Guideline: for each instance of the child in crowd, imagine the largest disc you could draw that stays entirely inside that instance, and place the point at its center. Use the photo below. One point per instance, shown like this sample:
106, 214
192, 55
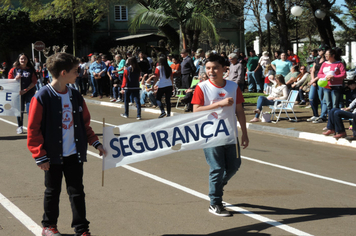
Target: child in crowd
224, 160
58, 133
269, 75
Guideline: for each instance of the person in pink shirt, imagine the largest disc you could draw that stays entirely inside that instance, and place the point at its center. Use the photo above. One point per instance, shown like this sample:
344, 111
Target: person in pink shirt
333, 70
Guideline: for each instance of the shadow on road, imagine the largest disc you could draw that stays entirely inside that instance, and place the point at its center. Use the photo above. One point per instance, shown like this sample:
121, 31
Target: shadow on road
15, 137
303, 215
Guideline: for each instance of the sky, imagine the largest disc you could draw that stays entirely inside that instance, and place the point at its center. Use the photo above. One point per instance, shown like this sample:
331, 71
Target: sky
249, 16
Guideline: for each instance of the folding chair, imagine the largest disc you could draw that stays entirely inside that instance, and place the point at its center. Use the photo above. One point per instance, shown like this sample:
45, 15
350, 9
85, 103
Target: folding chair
181, 94
285, 105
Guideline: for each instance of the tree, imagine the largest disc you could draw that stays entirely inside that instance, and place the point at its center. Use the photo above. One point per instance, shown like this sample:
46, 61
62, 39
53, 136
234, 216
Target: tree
17, 31
186, 13
75, 10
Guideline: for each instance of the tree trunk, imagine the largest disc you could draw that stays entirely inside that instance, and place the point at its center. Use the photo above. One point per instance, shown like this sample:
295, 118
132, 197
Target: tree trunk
74, 29
278, 7
324, 25
196, 39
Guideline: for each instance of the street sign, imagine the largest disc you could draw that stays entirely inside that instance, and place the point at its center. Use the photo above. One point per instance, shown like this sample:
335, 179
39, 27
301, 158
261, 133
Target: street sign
39, 46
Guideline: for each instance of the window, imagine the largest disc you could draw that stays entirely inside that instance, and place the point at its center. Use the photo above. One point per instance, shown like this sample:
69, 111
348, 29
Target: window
121, 13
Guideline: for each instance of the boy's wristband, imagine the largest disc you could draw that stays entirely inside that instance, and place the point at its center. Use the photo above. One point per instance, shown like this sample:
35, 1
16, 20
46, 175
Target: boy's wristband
96, 144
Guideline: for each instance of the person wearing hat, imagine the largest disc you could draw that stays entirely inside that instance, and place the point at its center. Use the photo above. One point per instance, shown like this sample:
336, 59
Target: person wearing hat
187, 69
316, 94
199, 60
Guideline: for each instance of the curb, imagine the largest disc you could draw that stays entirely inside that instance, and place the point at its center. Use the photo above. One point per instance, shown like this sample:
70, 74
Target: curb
267, 129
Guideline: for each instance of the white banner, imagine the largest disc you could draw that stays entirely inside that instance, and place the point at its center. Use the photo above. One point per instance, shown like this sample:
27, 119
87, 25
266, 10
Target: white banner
9, 97
149, 139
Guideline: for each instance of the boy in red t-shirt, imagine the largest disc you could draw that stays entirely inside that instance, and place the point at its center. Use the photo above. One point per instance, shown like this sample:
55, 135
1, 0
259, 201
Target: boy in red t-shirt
223, 160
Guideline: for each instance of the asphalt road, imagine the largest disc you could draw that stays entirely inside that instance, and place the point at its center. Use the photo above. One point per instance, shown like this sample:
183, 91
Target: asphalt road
299, 188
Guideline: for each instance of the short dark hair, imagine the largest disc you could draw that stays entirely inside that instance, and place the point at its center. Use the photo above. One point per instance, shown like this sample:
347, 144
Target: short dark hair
61, 61
216, 58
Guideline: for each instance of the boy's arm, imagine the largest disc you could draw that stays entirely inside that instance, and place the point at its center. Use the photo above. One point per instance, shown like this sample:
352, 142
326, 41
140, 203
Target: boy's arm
240, 113
35, 138
92, 138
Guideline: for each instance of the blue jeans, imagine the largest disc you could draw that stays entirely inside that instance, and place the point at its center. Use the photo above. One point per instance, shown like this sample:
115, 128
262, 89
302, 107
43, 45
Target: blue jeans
136, 95
263, 101
332, 97
150, 96
116, 92
97, 86
335, 121
224, 163
254, 80
316, 93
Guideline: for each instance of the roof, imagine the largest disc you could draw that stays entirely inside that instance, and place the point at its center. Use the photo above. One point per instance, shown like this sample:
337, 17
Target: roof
141, 37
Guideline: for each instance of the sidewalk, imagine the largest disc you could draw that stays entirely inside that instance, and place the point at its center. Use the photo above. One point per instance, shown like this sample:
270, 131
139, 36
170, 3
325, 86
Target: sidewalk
301, 129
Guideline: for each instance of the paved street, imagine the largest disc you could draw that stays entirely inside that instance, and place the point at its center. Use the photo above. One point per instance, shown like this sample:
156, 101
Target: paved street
286, 186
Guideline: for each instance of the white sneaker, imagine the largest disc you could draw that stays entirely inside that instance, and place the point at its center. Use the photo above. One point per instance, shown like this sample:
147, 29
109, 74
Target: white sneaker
19, 130
130, 104
219, 210
312, 118
113, 100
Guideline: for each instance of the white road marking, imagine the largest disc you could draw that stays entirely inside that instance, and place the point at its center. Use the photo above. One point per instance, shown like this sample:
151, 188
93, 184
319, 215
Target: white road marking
206, 197
36, 229
300, 171
20, 215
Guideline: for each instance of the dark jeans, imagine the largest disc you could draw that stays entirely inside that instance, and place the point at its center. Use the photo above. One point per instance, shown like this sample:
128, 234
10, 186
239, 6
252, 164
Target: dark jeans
186, 81
97, 86
136, 96
167, 91
82, 85
73, 173
335, 121
25, 102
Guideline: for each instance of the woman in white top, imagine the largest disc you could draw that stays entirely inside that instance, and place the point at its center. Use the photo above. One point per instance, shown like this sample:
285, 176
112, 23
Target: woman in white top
296, 85
279, 92
164, 77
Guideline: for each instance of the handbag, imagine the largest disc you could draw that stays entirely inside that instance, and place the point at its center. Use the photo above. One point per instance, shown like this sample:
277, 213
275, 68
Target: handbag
266, 117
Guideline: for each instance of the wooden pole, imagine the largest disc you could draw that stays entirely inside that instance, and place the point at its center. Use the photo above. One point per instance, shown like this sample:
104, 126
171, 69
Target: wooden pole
102, 174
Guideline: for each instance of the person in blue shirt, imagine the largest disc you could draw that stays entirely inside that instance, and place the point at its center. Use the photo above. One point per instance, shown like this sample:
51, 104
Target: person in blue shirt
97, 71
282, 66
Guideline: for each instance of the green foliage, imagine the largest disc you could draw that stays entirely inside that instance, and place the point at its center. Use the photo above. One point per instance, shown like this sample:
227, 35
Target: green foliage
186, 13
305, 52
17, 30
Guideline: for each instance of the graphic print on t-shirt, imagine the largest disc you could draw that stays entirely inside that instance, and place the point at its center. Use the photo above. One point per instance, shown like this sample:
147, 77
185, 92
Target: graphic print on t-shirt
67, 119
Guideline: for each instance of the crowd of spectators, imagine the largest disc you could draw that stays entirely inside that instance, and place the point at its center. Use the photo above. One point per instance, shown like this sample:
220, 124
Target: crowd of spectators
142, 80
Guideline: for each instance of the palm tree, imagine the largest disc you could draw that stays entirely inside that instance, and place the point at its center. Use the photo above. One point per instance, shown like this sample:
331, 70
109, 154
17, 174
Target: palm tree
186, 13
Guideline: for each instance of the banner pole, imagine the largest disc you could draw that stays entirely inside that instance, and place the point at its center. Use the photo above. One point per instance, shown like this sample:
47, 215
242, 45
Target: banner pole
102, 174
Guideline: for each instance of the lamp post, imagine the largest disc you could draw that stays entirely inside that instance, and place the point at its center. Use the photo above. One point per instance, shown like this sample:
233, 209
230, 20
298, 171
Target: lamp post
268, 17
296, 11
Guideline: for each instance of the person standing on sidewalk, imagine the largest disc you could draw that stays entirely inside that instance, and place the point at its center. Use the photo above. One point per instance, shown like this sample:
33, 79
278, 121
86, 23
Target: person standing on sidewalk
224, 161
24, 72
187, 69
58, 134
254, 73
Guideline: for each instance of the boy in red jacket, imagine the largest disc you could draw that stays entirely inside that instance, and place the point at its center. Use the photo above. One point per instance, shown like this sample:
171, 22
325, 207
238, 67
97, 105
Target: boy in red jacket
58, 133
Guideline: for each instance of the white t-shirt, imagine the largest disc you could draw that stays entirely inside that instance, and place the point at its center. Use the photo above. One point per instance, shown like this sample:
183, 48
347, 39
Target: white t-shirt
68, 142
163, 80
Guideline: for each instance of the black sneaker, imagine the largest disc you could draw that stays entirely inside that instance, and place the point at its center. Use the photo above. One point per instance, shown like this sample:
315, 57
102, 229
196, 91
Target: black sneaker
162, 115
219, 210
